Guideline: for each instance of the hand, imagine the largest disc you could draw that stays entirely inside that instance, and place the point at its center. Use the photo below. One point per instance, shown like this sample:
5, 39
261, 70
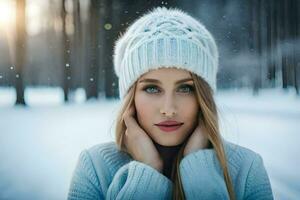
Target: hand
198, 140
139, 145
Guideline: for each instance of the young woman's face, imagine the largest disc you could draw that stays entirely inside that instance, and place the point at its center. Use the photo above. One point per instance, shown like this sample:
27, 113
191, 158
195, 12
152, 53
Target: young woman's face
166, 94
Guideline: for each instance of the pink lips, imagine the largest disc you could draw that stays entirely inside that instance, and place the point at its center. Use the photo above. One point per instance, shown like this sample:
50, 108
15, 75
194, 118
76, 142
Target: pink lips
169, 126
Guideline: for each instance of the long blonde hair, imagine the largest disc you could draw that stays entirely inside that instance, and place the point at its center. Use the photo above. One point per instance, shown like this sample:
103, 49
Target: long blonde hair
209, 118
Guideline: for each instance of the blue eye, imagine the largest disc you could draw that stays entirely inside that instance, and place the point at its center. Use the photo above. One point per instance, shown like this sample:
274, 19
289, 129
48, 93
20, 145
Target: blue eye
150, 88
185, 88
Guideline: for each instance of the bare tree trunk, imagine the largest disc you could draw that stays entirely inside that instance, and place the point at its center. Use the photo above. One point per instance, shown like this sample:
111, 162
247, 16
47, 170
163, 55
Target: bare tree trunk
93, 66
288, 45
102, 47
111, 27
20, 50
281, 21
66, 54
256, 31
294, 29
78, 45
116, 17
271, 34
278, 58
297, 54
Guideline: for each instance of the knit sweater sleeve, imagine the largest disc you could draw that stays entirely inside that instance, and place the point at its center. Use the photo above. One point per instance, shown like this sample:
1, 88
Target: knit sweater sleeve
258, 186
84, 183
136, 180
201, 177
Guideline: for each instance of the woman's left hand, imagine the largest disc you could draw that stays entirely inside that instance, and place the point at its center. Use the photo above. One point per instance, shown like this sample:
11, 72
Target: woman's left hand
198, 140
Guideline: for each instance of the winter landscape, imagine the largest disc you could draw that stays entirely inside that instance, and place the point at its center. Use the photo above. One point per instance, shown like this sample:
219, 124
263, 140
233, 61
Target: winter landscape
56, 57
40, 143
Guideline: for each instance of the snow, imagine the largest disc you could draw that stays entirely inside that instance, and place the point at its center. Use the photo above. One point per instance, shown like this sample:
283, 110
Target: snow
40, 143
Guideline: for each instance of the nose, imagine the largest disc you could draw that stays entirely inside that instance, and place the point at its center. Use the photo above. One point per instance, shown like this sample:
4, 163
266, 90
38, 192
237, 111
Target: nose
168, 106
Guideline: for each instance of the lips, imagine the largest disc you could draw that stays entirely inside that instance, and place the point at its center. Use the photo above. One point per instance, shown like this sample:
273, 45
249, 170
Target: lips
169, 126
169, 123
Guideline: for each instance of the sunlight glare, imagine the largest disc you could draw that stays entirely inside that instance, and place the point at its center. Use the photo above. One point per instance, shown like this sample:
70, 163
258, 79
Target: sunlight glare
6, 13
33, 18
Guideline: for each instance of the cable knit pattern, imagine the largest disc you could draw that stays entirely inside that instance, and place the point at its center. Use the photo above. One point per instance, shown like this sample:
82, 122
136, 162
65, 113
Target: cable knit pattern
104, 172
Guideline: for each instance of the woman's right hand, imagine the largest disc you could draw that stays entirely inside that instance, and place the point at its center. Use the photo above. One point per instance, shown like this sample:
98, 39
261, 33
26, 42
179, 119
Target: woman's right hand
139, 145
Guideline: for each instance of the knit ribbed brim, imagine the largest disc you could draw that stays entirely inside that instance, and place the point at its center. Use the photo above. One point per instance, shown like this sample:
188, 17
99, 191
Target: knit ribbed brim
165, 38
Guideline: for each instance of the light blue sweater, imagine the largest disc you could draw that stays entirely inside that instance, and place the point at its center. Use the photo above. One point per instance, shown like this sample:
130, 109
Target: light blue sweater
104, 172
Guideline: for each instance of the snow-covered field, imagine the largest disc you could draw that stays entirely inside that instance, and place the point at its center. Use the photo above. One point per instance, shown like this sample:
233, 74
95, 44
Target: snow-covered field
40, 144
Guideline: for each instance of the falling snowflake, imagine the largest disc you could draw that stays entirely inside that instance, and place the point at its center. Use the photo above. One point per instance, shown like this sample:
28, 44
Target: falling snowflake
107, 26
91, 79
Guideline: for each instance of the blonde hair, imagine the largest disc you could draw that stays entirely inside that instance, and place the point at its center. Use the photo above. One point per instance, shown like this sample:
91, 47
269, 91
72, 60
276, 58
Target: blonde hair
209, 118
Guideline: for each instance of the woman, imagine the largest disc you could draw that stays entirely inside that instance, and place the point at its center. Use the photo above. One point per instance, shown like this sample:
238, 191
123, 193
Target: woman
168, 143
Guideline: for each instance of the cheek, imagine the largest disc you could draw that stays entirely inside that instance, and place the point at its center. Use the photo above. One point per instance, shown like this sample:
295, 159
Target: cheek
189, 111
144, 109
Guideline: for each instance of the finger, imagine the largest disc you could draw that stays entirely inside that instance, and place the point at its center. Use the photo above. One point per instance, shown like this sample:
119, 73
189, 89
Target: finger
126, 113
129, 119
196, 130
130, 111
125, 138
202, 136
125, 142
200, 130
200, 125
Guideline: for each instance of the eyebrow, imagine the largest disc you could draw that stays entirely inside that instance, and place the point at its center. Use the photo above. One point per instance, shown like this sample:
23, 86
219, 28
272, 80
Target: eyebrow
150, 80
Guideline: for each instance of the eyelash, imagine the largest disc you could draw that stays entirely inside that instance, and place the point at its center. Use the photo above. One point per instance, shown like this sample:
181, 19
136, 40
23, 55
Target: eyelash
191, 88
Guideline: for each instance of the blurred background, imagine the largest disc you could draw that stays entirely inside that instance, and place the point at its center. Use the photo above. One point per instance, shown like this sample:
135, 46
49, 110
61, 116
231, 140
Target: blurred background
59, 93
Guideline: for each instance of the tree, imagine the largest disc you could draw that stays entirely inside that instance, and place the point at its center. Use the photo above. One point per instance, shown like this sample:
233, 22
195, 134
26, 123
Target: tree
93, 49
257, 11
77, 47
20, 50
66, 53
110, 27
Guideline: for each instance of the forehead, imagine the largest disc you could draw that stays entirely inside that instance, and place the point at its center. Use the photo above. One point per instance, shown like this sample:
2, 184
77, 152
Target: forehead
170, 72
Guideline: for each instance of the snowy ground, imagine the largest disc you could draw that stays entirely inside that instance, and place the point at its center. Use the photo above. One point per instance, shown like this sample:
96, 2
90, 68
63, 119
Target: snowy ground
40, 144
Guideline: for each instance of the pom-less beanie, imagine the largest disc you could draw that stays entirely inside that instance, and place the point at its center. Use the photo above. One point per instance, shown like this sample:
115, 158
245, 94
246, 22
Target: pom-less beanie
165, 38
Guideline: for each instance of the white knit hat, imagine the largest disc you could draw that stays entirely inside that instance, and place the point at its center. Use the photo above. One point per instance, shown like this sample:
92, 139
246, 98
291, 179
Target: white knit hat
165, 38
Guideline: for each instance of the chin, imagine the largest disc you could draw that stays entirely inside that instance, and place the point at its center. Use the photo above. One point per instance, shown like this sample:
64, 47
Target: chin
168, 143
